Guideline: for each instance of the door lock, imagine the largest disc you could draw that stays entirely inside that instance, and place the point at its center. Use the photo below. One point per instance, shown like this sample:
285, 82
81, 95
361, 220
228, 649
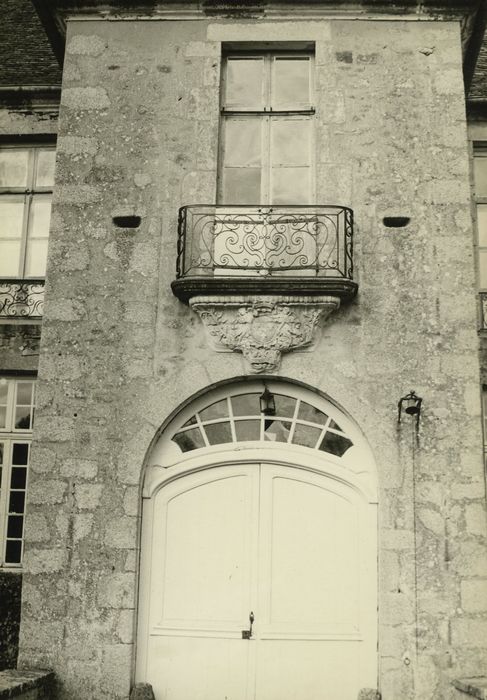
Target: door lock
246, 634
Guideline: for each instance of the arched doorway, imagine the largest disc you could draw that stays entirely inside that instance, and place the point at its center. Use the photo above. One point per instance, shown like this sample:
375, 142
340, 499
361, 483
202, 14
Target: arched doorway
259, 553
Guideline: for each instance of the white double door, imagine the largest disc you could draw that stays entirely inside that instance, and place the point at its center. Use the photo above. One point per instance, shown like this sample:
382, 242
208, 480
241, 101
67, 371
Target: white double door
290, 546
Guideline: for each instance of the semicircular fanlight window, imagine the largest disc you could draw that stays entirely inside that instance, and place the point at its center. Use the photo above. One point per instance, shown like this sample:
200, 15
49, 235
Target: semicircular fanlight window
238, 419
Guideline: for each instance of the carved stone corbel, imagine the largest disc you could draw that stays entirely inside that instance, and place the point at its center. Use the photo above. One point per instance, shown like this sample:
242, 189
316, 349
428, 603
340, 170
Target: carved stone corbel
262, 327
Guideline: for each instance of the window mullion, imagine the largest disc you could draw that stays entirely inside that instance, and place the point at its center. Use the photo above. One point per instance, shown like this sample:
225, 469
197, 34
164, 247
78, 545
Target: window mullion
25, 234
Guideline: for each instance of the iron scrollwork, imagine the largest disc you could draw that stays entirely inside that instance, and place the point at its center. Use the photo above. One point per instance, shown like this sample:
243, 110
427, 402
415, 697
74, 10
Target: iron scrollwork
21, 298
237, 240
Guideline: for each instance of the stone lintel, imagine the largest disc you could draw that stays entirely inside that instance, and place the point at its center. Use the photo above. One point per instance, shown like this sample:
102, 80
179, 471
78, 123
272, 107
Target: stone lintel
262, 327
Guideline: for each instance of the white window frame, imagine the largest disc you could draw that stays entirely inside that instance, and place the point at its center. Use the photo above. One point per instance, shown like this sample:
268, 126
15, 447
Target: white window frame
10, 436
27, 194
266, 114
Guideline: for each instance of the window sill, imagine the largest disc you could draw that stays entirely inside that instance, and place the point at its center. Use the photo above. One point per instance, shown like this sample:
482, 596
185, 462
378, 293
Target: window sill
475, 687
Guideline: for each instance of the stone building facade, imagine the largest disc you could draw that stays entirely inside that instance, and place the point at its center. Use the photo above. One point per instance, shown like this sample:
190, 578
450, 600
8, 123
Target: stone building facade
139, 384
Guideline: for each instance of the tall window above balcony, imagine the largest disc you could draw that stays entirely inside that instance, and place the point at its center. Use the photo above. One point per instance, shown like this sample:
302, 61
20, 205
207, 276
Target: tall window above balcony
267, 111
26, 182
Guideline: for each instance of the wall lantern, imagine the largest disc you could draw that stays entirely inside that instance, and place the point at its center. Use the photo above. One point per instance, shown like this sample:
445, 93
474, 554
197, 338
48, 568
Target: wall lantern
267, 403
411, 404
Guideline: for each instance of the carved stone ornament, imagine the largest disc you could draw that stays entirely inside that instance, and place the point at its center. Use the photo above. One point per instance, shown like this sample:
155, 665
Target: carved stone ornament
262, 327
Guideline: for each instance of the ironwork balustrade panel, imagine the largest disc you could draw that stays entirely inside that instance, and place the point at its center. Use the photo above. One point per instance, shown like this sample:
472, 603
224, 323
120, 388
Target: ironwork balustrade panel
21, 298
292, 240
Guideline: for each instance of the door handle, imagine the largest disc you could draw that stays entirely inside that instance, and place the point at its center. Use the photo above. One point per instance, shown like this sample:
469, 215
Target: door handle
246, 634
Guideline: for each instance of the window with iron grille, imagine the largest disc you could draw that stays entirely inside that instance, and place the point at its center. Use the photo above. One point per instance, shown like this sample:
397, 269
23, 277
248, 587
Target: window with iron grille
26, 182
266, 145
17, 400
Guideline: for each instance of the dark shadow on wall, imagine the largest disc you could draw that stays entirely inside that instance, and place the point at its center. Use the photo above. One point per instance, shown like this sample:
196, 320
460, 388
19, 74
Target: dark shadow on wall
10, 598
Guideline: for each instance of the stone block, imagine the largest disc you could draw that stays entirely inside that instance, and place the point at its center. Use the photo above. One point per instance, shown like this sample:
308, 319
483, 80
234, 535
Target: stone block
79, 468
44, 561
36, 528
116, 590
88, 495
469, 632
476, 519
47, 491
85, 98
474, 595
121, 533
82, 45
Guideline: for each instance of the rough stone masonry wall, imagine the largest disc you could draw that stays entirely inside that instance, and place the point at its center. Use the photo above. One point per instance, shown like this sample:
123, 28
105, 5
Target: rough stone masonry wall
138, 134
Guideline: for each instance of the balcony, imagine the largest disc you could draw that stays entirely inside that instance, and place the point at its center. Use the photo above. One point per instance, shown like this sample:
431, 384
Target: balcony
270, 250
21, 298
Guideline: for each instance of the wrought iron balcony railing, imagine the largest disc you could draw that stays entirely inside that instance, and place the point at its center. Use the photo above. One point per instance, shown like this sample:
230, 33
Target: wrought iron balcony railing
21, 298
264, 249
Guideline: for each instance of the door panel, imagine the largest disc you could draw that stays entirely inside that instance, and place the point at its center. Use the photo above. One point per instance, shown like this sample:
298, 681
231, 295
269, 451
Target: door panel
205, 528
292, 546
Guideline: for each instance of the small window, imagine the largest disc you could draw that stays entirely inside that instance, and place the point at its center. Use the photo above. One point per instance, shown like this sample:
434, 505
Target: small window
26, 182
17, 401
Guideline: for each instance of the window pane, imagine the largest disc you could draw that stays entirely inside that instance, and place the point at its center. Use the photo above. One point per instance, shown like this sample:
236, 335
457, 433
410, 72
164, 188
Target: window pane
285, 405
20, 453
1, 457
40, 215
36, 258
241, 186
247, 430
9, 258
306, 435
3, 416
22, 417
216, 410
312, 414
482, 224
17, 502
276, 430
291, 83
244, 82
189, 440
18, 478
15, 526
483, 268
243, 142
11, 217
218, 433
3, 392
335, 444
13, 552
45, 168
290, 186
246, 405
24, 393
14, 167
480, 172
290, 142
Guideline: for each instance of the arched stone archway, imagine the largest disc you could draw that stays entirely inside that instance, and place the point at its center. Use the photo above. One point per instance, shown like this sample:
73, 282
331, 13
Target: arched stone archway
259, 553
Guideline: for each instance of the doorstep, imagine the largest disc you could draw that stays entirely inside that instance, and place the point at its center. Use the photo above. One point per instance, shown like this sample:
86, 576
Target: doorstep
31, 685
